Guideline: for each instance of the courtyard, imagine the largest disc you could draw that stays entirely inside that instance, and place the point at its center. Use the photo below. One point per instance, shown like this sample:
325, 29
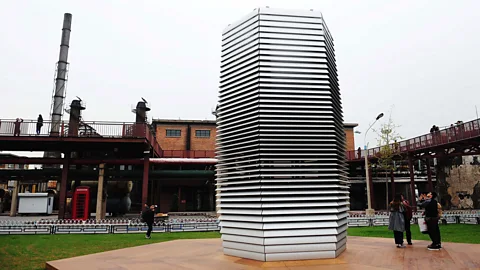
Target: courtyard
33, 251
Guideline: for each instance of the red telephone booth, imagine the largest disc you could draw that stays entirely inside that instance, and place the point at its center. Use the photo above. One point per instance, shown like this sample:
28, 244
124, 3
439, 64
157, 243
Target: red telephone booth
80, 203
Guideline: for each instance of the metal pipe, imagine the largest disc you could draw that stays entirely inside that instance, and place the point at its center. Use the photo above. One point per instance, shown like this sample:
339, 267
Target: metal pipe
370, 210
72, 161
138, 161
146, 167
61, 76
212, 161
99, 213
92, 175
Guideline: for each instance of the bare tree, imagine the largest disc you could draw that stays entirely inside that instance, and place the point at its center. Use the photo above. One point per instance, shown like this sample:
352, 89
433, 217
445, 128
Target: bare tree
388, 138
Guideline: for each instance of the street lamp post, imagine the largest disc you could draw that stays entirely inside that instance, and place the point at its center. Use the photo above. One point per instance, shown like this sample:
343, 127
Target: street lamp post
369, 211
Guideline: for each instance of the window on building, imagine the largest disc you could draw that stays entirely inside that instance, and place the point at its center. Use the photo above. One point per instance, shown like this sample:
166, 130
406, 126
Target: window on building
202, 133
11, 166
174, 133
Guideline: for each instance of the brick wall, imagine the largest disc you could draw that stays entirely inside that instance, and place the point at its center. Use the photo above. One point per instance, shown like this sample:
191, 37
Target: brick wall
350, 139
180, 143
199, 143
203, 143
171, 143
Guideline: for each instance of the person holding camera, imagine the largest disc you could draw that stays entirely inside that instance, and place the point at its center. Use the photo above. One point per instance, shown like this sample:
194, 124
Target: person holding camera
148, 216
432, 217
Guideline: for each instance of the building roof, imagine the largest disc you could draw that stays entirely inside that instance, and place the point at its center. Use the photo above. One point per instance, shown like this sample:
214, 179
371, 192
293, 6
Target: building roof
179, 121
350, 125
213, 122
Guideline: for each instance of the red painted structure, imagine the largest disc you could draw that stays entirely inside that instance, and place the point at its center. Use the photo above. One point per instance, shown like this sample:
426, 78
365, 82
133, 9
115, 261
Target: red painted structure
136, 145
80, 200
96, 135
444, 138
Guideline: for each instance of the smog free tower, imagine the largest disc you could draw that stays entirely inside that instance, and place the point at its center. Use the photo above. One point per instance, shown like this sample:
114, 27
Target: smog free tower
281, 182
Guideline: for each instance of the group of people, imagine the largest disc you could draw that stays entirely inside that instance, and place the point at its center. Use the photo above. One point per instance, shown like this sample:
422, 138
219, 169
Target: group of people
401, 216
18, 122
434, 128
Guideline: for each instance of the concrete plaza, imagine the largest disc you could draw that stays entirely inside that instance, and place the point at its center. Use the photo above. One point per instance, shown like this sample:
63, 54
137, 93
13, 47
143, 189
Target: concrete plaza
361, 253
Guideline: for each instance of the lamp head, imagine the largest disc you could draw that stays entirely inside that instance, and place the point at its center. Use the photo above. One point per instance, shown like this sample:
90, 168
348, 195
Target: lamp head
379, 116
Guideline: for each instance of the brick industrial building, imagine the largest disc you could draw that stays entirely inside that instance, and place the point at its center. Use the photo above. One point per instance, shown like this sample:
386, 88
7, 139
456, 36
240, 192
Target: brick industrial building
186, 134
200, 134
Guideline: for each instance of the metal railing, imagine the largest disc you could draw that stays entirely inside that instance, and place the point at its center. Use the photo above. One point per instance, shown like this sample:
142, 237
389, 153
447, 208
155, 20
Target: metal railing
188, 154
83, 129
382, 218
102, 227
445, 136
91, 129
107, 226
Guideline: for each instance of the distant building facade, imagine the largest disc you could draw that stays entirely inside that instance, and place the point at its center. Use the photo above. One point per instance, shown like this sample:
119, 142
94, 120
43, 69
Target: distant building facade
185, 134
201, 134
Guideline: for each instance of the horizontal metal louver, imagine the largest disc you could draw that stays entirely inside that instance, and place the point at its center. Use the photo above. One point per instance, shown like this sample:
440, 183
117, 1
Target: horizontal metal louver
282, 190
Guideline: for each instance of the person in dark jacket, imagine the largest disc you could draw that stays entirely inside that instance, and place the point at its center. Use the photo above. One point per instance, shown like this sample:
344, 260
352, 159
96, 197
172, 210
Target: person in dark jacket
39, 124
408, 218
431, 218
148, 217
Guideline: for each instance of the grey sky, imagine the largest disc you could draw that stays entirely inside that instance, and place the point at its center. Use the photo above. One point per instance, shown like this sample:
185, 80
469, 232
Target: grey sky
421, 56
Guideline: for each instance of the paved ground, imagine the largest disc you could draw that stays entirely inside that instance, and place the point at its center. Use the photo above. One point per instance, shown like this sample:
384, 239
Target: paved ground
361, 253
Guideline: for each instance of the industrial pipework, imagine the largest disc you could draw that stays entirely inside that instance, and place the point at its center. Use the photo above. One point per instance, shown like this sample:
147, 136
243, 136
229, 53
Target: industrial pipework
61, 76
75, 111
141, 111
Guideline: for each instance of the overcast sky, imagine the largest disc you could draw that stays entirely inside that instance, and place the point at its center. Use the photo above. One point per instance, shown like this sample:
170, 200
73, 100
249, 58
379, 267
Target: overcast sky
419, 56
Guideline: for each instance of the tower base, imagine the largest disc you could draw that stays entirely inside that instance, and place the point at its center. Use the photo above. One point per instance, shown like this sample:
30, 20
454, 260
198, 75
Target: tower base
287, 248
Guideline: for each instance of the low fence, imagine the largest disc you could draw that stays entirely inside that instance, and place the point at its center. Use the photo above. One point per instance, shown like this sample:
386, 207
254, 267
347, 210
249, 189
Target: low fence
115, 226
105, 228
448, 217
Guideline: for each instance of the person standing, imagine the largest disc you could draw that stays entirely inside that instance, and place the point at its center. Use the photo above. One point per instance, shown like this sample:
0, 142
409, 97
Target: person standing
148, 217
16, 130
408, 219
39, 124
397, 220
431, 218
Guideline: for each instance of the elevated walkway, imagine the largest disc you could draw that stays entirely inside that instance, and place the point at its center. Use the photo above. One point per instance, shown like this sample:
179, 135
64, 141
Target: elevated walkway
464, 138
90, 136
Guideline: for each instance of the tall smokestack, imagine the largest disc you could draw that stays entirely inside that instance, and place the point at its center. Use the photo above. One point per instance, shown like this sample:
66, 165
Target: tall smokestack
61, 76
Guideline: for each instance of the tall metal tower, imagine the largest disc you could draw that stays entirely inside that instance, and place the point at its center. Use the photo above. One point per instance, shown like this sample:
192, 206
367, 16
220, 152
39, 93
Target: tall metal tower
281, 179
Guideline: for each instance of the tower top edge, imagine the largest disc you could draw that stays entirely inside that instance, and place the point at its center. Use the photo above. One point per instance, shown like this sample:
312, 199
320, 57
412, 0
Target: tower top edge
312, 13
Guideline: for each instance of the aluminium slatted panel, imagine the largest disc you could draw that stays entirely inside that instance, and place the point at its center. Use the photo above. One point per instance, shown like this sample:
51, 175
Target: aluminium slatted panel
281, 181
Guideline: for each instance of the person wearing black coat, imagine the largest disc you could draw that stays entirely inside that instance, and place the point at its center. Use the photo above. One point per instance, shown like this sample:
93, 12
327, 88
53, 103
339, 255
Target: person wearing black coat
148, 217
432, 218
39, 124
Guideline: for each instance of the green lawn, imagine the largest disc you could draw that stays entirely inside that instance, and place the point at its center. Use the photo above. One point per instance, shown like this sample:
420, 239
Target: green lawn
32, 251
457, 233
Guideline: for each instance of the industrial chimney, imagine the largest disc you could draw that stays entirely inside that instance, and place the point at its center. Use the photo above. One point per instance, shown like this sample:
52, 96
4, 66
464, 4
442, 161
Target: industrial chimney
61, 77
76, 108
141, 111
